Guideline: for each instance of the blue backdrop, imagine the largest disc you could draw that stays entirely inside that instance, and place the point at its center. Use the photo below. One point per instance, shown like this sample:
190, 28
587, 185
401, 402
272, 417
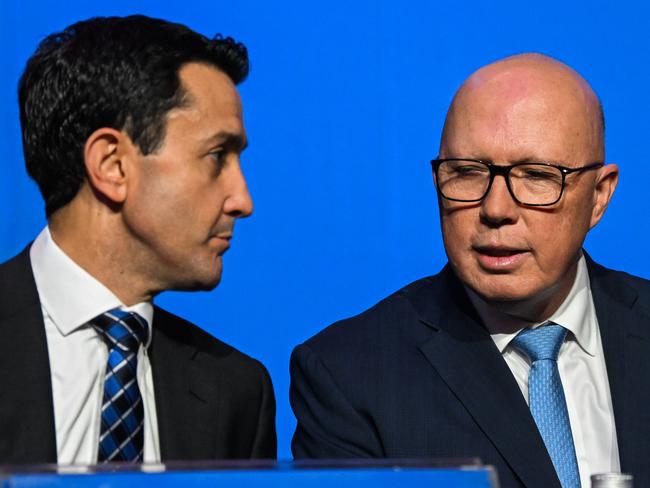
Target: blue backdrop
344, 108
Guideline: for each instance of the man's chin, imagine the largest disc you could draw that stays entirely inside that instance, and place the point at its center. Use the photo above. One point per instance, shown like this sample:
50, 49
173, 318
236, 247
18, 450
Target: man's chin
495, 288
204, 283
501, 297
501, 290
209, 284
531, 305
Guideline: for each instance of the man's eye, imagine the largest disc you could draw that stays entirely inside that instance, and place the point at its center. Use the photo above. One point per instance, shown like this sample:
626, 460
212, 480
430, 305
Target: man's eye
219, 158
218, 155
470, 170
540, 174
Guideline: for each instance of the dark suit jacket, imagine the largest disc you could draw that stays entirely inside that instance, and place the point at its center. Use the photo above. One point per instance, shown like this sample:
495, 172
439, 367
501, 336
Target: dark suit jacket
212, 402
418, 375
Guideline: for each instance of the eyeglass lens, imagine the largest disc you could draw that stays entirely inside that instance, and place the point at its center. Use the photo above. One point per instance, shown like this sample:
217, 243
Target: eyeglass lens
533, 184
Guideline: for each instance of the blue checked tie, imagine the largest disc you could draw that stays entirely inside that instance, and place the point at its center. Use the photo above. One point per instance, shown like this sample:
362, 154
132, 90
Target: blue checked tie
546, 398
121, 437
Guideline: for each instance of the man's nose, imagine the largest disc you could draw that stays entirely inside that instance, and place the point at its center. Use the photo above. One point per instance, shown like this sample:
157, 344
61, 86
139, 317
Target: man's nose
499, 206
239, 203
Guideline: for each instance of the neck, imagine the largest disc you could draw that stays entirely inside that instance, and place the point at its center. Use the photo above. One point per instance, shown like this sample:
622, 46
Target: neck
80, 231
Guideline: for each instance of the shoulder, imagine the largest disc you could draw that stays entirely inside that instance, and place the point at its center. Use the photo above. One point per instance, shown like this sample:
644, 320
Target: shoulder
17, 286
619, 285
386, 326
180, 334
186, 359
15, 266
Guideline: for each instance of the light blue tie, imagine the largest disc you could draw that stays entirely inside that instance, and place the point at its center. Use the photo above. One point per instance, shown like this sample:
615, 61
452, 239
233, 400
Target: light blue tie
546, 398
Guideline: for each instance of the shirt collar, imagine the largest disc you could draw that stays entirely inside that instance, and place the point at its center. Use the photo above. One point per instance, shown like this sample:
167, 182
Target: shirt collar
576, 314
68, 293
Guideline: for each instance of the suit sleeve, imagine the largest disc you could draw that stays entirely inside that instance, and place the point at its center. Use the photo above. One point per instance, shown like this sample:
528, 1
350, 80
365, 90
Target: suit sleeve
329, 426
265, 443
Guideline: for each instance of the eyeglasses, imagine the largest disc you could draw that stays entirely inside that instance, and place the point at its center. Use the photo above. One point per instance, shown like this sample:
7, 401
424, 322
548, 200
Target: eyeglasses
533, 184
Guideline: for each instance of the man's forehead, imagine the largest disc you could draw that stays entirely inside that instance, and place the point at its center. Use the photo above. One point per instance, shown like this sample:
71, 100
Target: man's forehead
526, 104
207, 87
208, 92
524, 77
211, 103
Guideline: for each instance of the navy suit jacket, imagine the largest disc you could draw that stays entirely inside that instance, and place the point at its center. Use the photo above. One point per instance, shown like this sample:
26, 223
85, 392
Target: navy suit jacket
212, 402
418, 375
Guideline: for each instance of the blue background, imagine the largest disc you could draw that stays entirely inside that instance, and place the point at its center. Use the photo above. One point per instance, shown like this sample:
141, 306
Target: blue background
344, 108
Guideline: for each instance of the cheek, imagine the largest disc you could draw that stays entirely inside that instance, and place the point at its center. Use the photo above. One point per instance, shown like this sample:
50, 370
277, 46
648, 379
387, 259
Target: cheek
160, 209
457, 230
557, 239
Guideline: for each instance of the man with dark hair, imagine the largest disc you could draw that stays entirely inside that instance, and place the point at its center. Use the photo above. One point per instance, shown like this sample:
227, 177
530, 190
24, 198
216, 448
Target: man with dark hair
132, 129
522, 351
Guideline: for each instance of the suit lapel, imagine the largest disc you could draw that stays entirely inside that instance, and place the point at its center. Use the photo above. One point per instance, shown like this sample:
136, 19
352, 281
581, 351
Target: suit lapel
624, 330
186, 400
466, 358
26, 407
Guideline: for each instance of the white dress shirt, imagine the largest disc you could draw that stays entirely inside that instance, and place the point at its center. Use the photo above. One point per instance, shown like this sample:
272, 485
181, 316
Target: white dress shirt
581, 363
70, 297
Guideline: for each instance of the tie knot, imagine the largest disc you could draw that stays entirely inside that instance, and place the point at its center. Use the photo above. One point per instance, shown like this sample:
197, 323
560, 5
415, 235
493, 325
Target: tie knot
541, 343
125, 330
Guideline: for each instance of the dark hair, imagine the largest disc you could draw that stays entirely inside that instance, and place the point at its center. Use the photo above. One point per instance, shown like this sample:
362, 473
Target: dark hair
119, 72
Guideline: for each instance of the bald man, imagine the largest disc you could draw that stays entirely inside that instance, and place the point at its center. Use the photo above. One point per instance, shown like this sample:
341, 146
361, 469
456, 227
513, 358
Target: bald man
522, 350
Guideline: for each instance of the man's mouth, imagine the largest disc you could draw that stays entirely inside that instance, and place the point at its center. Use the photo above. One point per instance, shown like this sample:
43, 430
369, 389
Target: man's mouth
222, 240
500, 258
498, 252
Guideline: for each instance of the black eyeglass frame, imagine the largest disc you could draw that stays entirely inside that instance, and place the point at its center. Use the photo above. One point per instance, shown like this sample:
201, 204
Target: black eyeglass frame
504, 171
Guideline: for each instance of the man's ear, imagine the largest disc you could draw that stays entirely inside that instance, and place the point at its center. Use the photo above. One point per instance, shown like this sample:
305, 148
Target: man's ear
107, 154
606, 181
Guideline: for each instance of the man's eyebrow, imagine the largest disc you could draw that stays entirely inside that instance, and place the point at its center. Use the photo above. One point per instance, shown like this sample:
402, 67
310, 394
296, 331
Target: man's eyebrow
231, 139
524, 160
537, 160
